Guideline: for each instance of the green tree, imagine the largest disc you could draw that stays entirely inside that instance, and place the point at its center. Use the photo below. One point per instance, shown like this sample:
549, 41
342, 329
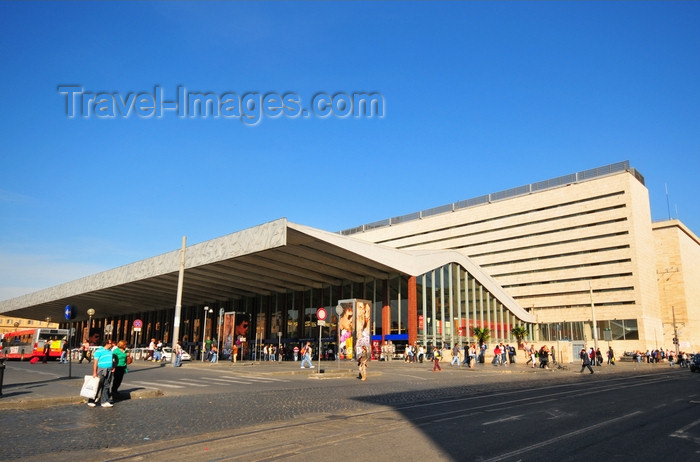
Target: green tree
519, 332
482, 334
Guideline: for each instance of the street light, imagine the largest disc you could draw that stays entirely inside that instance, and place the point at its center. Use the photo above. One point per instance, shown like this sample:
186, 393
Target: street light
91, 313
218, 335
204, 327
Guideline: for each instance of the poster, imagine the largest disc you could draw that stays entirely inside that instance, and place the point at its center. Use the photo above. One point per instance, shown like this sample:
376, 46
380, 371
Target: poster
228, 335
353, 327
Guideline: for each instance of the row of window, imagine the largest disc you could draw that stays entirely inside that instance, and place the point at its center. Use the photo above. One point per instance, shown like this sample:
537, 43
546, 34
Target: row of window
607, 330
510, 215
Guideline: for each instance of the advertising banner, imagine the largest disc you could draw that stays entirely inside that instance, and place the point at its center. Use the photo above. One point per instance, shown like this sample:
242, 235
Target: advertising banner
355, 319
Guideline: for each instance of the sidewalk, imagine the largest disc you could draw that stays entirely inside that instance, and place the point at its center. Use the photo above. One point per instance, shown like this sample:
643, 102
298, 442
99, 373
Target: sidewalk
37, 388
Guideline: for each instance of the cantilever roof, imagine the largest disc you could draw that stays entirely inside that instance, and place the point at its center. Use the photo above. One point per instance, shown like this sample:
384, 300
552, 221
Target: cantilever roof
278, 256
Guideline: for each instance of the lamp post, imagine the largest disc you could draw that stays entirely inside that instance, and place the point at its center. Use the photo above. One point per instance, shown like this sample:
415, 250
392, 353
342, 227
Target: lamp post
218, 335
204, 328
91, 313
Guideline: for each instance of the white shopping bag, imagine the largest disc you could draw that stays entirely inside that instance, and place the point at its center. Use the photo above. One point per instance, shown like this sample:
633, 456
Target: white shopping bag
90, 385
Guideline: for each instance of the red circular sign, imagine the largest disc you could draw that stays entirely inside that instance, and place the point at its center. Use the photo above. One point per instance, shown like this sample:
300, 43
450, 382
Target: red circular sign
321, 314
138, 323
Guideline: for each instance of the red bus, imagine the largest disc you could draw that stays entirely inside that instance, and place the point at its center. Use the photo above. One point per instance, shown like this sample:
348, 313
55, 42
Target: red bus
25, 344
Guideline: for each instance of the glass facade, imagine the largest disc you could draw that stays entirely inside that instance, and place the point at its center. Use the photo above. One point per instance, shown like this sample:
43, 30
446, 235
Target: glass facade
451, 302
620, 329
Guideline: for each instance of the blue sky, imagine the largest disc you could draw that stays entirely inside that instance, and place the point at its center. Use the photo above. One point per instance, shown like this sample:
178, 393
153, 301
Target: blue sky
479, 97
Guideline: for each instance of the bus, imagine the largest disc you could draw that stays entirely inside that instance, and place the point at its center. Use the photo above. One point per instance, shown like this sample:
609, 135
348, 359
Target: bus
28, 343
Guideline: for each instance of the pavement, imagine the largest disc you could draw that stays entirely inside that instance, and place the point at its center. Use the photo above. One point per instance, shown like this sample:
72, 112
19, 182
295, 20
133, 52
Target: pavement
28, 388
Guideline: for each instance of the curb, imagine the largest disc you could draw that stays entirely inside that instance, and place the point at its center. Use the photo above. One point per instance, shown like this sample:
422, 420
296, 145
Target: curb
37, 403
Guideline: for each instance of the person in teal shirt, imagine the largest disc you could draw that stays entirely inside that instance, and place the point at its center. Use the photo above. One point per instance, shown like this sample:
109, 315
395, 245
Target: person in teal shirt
103, 367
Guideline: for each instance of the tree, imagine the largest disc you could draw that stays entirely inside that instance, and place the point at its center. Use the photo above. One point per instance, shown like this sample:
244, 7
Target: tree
482, 334
519, 332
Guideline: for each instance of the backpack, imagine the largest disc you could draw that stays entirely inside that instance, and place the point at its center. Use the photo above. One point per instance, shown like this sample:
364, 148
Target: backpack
303, 351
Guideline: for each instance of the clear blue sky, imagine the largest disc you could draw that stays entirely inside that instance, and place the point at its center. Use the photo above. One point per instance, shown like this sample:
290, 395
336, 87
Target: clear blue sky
479, 97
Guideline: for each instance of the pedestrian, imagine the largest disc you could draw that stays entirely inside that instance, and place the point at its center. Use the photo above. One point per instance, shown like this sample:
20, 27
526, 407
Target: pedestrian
120, 367
306, 356
47, 351
64, 353
544, 357
496, 356
554, 358
585, 361
103, 367
455, 355
598, 357
207, 349
151, 350
472, 356
177, 353
235, 353
214, 354
362, 363
436, 360
611, 356
158, 353
84, 348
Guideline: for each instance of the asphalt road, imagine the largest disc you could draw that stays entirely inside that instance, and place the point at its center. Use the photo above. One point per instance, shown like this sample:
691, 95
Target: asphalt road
403, 412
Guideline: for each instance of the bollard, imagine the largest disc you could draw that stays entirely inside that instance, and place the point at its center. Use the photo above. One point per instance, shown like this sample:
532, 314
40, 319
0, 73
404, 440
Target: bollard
2, 374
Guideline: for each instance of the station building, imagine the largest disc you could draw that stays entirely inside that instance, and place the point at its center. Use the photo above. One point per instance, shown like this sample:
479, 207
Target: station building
574, 259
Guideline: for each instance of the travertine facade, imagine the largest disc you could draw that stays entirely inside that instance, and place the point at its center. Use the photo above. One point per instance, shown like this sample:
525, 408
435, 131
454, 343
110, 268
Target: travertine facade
560, 250
678, 274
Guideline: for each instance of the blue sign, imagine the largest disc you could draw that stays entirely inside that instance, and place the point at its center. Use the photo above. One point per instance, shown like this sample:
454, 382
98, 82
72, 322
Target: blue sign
68, 312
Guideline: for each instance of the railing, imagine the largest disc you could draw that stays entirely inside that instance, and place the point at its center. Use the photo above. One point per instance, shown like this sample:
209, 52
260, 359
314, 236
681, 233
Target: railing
578, 177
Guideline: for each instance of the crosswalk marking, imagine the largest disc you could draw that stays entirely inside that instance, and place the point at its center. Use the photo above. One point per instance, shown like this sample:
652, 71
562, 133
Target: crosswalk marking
206, 382
155, 386
227, 380
191, 383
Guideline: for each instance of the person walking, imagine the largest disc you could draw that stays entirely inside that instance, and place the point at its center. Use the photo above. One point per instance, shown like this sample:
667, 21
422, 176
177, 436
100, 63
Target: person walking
306, 356
544, 357
585, 361
151, 349
47, 351
455, 355
611, 356
177, 354
103, 367
362, 361
436, 360
64, 353
120, 364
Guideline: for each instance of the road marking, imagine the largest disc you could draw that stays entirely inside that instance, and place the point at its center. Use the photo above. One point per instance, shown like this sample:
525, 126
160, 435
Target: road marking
191, 383
227, 380
680, 433
561, 437
262, 379
505, 419
158, 385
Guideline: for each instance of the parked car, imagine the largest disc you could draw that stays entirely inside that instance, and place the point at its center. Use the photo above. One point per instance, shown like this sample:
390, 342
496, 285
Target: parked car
695, 363
168, 352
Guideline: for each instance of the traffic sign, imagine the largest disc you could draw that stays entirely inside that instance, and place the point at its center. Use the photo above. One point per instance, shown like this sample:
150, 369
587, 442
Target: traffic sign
321, 314
138, 323
68, 312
